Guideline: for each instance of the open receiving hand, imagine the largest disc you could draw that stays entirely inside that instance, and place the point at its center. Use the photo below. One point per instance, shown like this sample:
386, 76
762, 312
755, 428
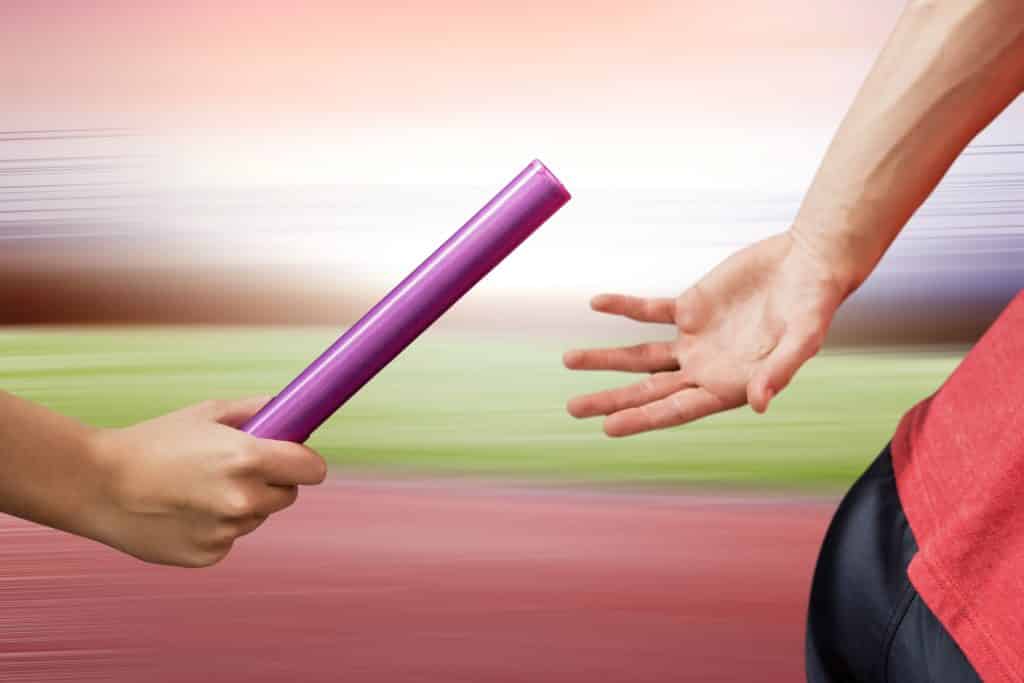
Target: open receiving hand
181, 488
742, 333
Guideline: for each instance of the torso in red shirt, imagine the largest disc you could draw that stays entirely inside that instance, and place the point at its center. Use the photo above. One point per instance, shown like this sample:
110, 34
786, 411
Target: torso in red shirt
959, 463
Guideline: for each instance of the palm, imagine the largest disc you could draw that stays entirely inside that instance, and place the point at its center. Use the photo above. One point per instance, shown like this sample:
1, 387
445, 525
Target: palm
742, 332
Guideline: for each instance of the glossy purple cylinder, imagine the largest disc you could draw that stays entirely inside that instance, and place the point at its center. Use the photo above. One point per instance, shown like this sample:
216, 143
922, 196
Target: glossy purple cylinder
411, 307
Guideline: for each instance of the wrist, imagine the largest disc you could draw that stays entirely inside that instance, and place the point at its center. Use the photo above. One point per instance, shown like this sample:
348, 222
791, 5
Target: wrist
60, 482
846, 262
91, 509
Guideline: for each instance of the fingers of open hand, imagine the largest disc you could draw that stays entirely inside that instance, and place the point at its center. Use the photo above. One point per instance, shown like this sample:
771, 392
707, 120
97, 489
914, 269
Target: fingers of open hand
610, 401
653, 357
646, 310
675, 409
693, 310
778, 368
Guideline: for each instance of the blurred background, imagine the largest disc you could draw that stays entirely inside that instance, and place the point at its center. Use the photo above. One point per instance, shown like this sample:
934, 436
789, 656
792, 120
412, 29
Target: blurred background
197, 198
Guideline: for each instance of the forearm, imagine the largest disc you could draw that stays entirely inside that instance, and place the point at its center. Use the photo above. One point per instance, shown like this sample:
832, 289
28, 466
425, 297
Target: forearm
48, 471
177, 489
949, 68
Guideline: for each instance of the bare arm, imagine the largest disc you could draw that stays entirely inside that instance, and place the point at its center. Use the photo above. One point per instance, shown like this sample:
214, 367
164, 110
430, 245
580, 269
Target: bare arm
744, 330
175, 490
949, 68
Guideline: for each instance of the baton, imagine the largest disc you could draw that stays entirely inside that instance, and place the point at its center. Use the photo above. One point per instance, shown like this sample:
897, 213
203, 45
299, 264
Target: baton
411, 307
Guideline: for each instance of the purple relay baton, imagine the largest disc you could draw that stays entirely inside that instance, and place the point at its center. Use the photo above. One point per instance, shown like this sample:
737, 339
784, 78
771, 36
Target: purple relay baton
411, 307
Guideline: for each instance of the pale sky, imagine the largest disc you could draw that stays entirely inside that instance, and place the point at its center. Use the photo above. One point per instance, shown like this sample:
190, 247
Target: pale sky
683, 128
669, 93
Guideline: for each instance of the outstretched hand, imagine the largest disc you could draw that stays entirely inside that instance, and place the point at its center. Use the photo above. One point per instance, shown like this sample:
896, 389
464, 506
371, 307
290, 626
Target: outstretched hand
742, 333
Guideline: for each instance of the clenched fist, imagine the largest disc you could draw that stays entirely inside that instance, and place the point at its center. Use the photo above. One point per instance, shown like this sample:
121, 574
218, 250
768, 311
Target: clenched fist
178, 489
181, 488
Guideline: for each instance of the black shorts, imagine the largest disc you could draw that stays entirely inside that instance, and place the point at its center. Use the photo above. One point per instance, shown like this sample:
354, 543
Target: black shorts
866, 622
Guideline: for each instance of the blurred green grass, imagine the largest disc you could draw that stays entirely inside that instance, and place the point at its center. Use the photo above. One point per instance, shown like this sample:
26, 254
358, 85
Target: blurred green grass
482, 406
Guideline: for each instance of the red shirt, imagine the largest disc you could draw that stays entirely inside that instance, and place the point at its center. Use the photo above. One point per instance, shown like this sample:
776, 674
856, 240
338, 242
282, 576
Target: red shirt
959, 463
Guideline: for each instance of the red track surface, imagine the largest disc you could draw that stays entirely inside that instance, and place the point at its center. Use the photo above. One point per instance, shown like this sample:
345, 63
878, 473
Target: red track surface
430, 582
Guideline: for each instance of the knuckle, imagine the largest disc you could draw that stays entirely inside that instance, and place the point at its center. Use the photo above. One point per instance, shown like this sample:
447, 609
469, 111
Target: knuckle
291, 495
235, 504
193, 561
684, 363
681, 305
678, 408
689, 308
222, 535
203, 557
641, 351
308, 463
213, 557
245, 458
211, 543
584, 406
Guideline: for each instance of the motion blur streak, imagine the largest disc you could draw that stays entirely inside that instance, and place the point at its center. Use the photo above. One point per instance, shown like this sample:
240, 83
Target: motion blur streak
431, 582
99, 226
216, 163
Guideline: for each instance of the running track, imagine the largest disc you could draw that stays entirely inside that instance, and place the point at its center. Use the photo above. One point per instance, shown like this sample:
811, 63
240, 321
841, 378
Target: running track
392, 582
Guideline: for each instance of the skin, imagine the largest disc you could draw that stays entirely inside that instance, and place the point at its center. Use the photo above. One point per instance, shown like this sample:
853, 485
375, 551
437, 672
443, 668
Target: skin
746, 328
177, 490
182, 488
